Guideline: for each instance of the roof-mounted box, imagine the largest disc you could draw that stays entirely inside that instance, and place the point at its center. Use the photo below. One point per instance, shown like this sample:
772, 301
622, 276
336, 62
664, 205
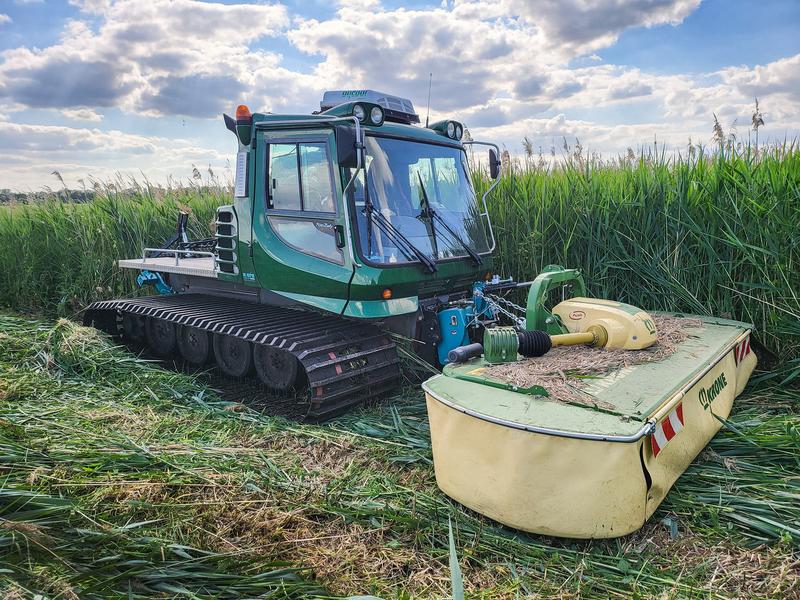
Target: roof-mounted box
399, 110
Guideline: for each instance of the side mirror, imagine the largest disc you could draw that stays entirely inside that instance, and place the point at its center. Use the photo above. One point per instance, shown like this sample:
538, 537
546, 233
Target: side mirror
230, 124
494, 164
346, 150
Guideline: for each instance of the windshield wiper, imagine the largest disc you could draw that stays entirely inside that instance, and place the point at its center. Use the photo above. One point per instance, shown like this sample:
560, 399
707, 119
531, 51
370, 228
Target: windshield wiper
395, 235
430, 214
427, 213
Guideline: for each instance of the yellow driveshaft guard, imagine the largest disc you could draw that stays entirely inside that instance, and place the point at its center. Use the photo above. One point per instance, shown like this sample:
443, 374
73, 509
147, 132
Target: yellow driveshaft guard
626, 327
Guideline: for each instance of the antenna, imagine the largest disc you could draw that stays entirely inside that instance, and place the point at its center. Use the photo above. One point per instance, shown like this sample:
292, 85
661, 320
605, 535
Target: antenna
428, 112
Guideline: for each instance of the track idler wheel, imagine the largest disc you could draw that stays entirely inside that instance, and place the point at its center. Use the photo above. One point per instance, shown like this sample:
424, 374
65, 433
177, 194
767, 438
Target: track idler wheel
134, 327
234, 356
160, 336
194, 345
277, 369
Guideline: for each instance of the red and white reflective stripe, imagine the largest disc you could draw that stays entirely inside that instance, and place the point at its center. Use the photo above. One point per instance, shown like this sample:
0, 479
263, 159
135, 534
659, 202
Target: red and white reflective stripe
667, 429
742, 350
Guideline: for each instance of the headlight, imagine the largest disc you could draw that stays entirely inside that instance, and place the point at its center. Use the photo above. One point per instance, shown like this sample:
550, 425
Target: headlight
459, 132
359, 112
451, 129
376, 115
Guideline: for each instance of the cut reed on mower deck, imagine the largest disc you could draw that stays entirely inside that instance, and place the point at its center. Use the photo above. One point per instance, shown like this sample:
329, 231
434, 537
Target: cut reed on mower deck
137, 477
565, 370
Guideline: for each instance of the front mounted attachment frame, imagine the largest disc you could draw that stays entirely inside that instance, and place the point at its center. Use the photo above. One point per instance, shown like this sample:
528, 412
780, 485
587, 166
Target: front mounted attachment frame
537, 313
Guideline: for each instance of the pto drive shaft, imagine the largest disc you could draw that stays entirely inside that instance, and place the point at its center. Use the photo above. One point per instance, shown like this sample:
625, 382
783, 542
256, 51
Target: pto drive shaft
595, 335
502, 344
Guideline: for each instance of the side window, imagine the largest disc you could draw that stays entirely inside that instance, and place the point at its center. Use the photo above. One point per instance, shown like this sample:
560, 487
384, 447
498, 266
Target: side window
314, 237
299, 181
300, 178
316, 178
284, 184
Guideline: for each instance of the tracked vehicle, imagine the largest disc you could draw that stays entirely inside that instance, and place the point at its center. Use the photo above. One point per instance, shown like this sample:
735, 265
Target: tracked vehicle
346, 224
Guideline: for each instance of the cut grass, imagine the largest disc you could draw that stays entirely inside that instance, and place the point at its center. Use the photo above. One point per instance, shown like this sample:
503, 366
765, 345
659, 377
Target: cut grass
119, 476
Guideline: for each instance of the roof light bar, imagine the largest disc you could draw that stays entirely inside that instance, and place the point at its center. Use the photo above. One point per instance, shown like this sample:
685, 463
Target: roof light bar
396, 109
366, 112
451, 129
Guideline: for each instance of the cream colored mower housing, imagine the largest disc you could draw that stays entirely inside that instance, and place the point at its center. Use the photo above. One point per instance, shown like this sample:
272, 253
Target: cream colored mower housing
569, 470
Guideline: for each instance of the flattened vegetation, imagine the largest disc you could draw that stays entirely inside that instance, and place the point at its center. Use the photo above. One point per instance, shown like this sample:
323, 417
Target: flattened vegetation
122, 478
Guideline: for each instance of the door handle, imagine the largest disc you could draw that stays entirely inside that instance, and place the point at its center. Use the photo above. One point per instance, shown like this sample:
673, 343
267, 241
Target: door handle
338, 231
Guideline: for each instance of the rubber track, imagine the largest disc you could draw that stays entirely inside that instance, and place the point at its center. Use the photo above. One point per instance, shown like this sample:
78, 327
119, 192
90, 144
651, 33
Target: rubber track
345, 361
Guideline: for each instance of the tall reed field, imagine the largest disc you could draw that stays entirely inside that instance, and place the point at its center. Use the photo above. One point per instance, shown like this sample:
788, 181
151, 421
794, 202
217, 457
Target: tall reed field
709, 235
59, 256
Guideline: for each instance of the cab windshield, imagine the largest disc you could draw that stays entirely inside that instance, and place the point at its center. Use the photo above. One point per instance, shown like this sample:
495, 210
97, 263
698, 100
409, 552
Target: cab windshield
425, 194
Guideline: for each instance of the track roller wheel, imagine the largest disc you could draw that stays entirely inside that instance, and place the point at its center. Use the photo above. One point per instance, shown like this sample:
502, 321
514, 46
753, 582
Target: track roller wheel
194, 345
160, 336
276, 368
134, 327
234, 356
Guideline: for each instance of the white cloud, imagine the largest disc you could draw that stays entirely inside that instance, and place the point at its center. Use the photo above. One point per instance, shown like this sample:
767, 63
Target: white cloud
359, 4
91, 6
581, 26
4, 18
779, 77
472, 59
507, 68
82, 114
606, 140
156, 57
36, 150
51, 138
490, 58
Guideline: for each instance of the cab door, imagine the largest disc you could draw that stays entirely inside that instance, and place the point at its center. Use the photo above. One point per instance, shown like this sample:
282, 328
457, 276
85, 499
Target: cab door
299, 222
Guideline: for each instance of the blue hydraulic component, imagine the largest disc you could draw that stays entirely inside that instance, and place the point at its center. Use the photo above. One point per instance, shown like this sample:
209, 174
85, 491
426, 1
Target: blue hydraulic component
483, 308
149, 278
454, 322
453, 329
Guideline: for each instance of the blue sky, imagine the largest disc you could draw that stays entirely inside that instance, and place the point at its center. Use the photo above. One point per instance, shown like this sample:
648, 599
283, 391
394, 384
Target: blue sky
100, 88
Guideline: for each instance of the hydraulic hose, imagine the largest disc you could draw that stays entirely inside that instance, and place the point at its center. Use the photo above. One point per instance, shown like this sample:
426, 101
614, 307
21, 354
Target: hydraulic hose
464, 353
